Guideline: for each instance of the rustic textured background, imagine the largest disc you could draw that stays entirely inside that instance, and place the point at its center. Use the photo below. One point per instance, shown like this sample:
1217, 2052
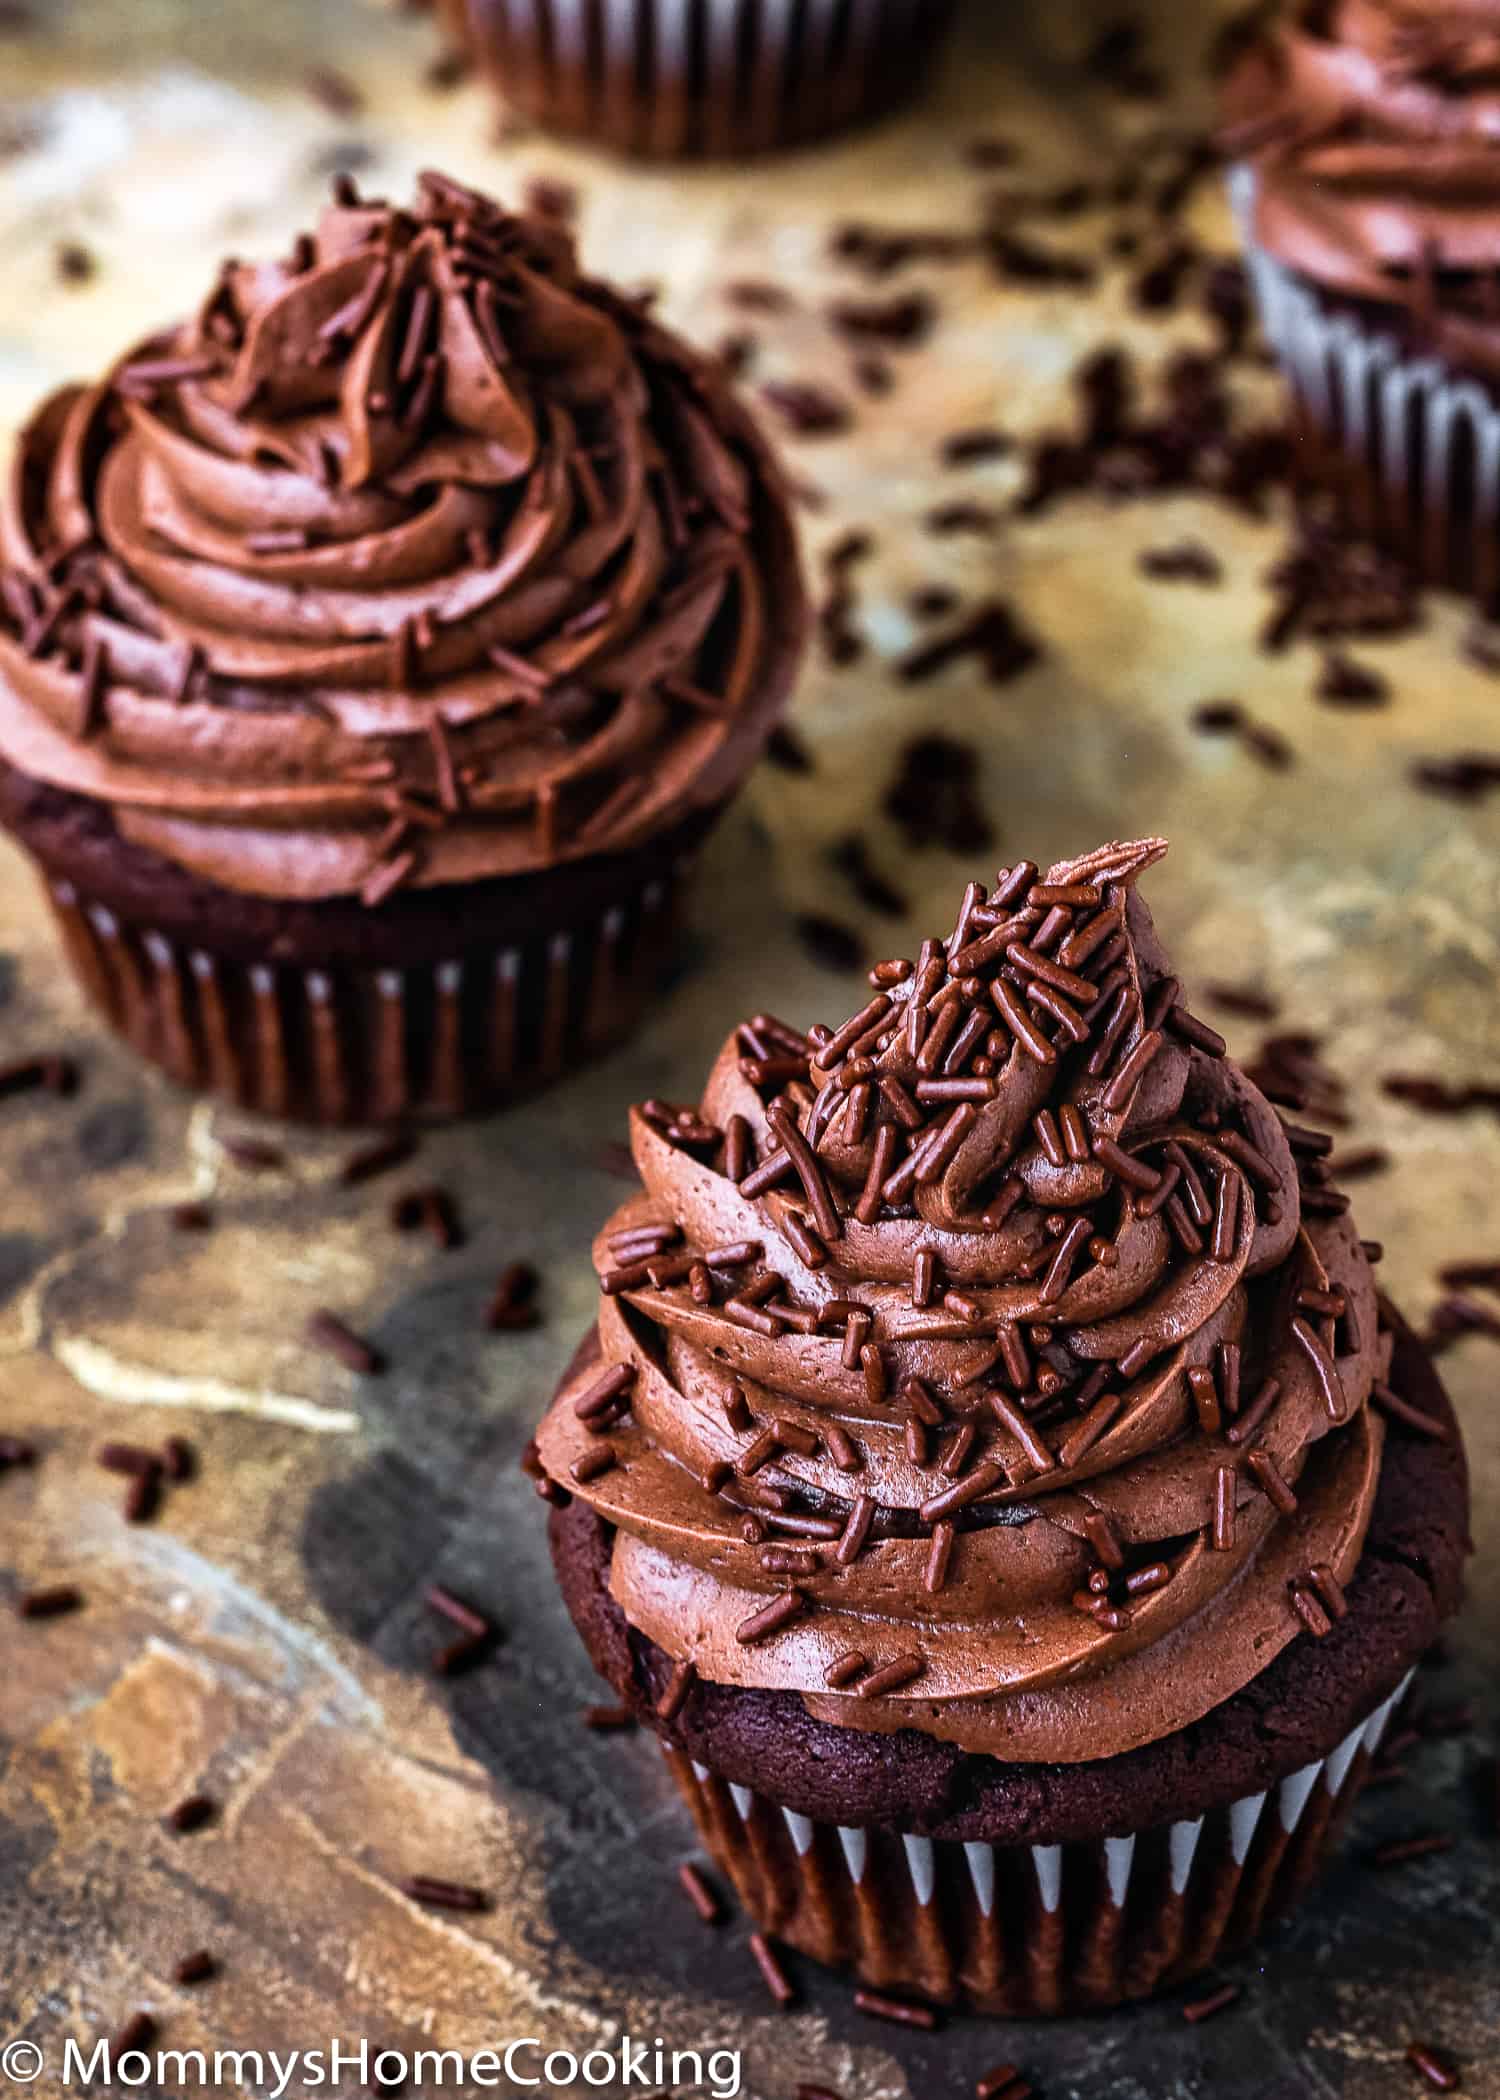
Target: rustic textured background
265, 1640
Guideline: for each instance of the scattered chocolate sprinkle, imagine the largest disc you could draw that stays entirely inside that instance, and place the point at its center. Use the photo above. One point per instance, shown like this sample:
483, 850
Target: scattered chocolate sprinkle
443, 1895
198, 1967
55, 1074
512, 1305
138, 2033
73, 262
195, 1813
777, 1982
993, 633
1216, 2002
1467, 777
325, 1330
1185, 561
703, 1899
1433, 2066
179, 1460
253, 1153
1401, 1850
1345, 683
900, 2011
50, 1603
829, 942
333, 91
807, 409
608, 1720
905, 321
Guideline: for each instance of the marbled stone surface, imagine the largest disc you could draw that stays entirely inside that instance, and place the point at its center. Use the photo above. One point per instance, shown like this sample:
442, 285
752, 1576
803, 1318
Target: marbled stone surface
264, 1641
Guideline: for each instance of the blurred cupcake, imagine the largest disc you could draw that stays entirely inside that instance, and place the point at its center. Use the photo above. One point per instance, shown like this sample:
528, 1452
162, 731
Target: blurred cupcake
1366, 141
375, 650
676, 79
994, 1473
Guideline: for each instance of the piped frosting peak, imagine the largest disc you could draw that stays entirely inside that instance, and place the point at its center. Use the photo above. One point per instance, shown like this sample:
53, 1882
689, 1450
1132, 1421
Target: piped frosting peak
994, 1364
414, 556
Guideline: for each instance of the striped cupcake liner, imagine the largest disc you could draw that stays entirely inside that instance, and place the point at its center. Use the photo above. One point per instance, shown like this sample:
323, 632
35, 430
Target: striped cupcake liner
348, 1043
1409, 448
713, 78
1025, 1930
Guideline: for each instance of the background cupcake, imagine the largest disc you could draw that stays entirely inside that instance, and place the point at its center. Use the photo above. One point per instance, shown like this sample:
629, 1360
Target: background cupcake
1367, 180
375, 649
718, 78
995, 1473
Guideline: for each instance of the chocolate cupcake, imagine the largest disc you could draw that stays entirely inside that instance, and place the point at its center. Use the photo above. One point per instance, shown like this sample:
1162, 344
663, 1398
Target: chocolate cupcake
676, 79
376, 649
995, 1474
1367, 181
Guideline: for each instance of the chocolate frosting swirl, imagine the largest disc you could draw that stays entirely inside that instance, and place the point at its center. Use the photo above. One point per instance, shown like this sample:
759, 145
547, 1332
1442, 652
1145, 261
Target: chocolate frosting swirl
1374, 130
415, 556
996, 1365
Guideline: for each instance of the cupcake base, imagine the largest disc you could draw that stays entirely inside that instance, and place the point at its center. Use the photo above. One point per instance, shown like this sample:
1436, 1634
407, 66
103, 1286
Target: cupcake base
1407, 447
1022, 1930
717, 79
1030, 1889
435, 1004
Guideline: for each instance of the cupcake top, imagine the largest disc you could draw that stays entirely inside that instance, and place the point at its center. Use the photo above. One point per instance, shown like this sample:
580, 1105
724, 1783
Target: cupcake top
995, 1365
1374, 130
413, 558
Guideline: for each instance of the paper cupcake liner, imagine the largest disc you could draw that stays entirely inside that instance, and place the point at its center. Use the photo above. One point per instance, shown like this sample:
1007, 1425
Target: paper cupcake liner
1031, 1929
1410, 447
347, 1043
713, 78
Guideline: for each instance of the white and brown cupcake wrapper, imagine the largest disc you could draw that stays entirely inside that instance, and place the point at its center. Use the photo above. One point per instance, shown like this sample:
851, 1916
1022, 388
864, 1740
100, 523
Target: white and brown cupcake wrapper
676, 78
347, 1043
1410, 446
1031, 1929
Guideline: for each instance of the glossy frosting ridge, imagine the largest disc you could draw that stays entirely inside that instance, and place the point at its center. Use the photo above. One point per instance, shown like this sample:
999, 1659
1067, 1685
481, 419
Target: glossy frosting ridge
997, 1365
1373, 127
414, 557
